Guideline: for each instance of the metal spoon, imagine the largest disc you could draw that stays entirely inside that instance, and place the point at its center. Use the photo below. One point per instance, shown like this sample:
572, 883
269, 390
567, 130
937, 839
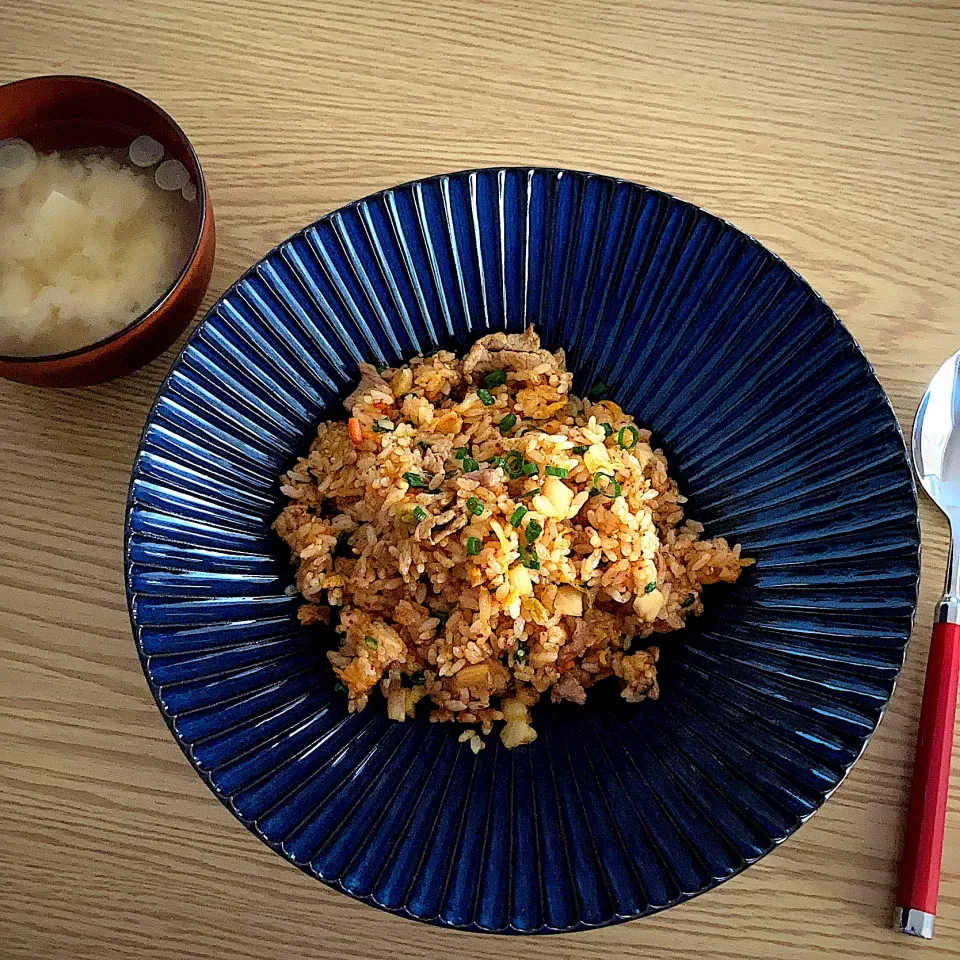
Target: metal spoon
936, 459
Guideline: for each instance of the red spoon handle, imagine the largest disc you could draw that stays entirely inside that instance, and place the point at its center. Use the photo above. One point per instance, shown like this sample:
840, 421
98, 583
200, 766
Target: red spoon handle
923, 843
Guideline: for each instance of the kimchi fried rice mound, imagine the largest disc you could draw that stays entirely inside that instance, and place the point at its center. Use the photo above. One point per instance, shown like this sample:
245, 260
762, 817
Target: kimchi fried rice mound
487, 537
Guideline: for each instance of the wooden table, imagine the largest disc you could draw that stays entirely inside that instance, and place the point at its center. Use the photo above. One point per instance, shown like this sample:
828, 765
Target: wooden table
829, 129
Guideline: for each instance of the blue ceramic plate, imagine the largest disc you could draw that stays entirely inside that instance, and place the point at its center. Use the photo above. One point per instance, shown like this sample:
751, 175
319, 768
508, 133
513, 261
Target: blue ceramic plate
778, 431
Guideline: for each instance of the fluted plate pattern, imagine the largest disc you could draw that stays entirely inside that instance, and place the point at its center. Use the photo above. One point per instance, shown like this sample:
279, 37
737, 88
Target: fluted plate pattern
778, 431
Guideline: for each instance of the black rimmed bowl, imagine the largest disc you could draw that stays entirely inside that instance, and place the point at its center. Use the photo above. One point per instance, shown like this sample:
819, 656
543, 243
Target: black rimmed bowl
778, 431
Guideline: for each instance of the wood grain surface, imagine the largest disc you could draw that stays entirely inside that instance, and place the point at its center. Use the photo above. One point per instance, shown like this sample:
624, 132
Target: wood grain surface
829, 129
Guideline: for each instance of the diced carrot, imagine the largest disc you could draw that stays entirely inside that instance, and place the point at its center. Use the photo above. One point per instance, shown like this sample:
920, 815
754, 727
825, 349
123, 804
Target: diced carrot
353, 428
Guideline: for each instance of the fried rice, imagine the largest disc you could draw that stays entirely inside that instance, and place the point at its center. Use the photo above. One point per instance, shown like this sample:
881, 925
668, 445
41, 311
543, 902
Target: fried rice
480, 537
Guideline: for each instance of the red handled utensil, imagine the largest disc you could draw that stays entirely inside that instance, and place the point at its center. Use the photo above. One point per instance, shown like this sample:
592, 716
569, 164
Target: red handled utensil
936, 459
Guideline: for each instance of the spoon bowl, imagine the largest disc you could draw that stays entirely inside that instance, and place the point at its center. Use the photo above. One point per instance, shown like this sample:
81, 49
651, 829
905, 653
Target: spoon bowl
936, 440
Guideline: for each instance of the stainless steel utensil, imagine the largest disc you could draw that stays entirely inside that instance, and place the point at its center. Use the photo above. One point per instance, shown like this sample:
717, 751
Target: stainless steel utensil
936, 459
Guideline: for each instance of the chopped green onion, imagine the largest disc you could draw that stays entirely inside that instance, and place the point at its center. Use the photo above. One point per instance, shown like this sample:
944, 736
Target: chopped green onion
516, 518
338, 687
534, 529
370, 642
469, 465
473, 546
508, 423
557, 472
598, 392
486, 397
418, 678
605, 484
581, 449
461, 453
520, 654
607, 429
689, 601
383, 425
498, 462
495, 378
529, 558
474, 506
514, 465
415, 480
650, 587
529, 469
634, 435
419, 513
423, 445
381, 367
531, 493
